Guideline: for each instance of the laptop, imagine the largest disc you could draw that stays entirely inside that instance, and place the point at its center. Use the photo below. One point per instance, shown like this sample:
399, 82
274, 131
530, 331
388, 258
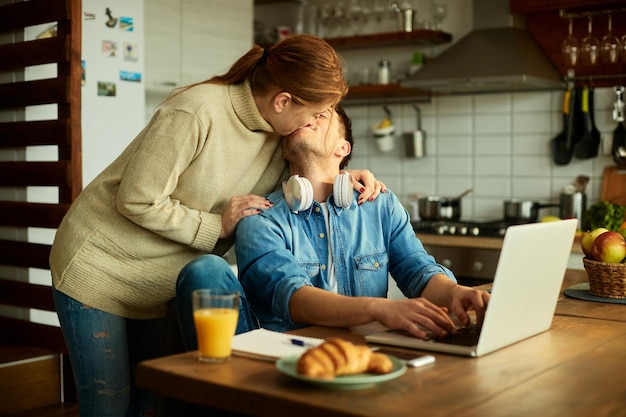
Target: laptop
525, 290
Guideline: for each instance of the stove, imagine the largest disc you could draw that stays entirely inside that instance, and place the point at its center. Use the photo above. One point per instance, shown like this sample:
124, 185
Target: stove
471, 265
491, 228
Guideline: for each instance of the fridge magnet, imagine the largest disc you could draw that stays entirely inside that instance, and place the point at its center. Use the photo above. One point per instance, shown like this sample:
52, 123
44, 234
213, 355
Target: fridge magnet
130, 76
83, 74
126, 24
111, 21
106, 89
130, 52
109, 48
89, 16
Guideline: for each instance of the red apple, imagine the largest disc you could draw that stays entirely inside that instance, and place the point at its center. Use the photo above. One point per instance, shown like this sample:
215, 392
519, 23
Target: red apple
609, 247
587, 240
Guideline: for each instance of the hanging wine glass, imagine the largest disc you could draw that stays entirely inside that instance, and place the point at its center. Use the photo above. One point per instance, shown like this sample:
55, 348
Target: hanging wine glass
610, 45
341, 20
378, 10
440, 12
569, 49
590, 47
364, 20
325, 16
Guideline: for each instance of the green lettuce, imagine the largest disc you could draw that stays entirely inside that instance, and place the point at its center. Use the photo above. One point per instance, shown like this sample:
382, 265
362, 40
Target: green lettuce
603, 214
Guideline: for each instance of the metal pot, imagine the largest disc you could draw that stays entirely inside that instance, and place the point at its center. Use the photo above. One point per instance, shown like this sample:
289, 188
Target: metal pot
523, 210
439, 208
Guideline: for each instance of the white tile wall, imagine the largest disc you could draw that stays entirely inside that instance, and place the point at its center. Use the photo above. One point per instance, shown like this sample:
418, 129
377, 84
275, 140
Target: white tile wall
498, 144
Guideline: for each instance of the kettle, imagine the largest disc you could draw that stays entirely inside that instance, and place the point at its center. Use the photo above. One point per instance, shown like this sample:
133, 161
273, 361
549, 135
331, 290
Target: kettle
406, 17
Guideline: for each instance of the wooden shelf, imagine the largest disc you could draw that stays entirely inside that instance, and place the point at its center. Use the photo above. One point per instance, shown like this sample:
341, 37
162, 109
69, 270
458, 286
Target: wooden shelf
266, 2
416, 38
529, 7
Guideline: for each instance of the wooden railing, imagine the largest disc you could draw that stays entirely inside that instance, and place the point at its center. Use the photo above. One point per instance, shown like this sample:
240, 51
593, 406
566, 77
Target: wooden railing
18, 134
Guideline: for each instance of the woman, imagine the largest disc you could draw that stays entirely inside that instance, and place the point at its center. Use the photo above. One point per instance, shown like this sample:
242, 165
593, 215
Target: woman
177, 192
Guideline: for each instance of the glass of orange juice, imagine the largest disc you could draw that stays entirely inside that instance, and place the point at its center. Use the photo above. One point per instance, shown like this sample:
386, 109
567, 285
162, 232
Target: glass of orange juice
215, 314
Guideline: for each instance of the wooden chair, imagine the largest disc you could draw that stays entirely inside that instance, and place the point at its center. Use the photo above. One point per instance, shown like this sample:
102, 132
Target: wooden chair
17, 214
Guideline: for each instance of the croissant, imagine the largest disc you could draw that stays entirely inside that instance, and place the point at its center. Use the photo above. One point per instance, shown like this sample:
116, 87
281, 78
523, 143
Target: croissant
336, 357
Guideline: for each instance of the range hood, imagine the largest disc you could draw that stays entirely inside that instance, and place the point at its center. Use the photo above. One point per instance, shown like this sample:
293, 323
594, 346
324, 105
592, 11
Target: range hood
498, 55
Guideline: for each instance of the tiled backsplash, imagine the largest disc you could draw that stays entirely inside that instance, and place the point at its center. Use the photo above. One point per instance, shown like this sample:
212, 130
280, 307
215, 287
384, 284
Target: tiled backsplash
497, 144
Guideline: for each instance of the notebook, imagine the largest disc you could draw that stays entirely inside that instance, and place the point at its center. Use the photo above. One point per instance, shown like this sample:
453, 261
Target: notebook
525, 290
270, 345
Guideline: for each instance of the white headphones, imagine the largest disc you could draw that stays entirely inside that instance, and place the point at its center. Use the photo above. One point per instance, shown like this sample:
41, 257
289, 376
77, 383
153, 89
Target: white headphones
299, 192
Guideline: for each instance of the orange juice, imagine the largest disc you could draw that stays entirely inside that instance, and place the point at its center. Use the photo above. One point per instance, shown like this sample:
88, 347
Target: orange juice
215, 328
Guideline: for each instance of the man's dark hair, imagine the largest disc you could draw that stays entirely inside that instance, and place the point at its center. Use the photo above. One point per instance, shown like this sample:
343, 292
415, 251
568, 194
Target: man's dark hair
346, 128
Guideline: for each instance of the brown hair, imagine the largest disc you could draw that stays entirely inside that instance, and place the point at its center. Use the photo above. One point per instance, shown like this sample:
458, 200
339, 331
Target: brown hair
345, 127
303, 65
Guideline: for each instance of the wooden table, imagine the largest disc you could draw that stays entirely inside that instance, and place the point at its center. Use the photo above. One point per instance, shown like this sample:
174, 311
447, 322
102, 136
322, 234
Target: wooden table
575, 369
568, 306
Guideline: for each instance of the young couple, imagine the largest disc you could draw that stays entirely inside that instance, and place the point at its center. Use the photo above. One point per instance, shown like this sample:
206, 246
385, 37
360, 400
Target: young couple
317, 258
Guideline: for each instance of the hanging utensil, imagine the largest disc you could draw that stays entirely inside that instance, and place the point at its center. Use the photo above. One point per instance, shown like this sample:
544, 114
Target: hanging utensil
595, 133
555, 143
586, 146
561, 145
568, 146
618, 148
415, 141
619, 145
618, 106
384, 132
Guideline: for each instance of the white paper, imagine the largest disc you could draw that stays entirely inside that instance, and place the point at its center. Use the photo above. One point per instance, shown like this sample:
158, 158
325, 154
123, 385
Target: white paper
270, 345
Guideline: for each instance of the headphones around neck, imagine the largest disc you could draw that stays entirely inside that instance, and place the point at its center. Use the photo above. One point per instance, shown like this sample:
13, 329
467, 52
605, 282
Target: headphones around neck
299, 192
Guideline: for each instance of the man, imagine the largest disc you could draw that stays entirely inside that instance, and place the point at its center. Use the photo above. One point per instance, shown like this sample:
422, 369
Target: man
328, 263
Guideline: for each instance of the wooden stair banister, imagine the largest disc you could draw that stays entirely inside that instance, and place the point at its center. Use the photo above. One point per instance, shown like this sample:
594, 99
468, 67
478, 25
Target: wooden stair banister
62, 90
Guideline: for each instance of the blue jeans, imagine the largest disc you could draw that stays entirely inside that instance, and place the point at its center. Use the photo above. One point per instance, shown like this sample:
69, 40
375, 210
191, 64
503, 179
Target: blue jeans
208, 271
104, 351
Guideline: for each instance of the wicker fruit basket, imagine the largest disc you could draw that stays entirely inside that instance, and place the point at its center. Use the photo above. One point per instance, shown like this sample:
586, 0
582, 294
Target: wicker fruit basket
606, 279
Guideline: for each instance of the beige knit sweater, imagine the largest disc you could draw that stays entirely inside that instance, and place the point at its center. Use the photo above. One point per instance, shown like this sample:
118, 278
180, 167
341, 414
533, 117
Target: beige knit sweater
158, 205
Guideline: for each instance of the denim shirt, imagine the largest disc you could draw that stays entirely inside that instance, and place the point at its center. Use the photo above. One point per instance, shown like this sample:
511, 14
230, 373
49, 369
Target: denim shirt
279, 252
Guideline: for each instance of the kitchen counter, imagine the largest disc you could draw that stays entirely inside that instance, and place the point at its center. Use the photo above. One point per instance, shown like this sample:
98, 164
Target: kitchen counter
475, 242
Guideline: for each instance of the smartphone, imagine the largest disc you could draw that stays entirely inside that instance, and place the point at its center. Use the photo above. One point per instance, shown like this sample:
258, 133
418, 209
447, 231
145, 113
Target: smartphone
414, 360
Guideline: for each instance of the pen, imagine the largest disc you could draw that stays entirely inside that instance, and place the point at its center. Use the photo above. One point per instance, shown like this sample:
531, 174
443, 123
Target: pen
299, 342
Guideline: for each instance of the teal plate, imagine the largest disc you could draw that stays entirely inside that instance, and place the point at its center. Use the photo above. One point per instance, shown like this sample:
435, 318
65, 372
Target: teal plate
287, 366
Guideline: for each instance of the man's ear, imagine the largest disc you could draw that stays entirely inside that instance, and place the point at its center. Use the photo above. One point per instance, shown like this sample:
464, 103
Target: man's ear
282, 101
343, 148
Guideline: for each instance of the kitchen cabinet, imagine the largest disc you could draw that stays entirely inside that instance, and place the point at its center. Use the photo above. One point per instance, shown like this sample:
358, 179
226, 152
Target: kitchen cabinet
477, 242
191, 40
549, 29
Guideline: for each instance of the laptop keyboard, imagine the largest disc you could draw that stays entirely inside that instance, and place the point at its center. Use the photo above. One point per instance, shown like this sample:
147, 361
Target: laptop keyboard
465, 336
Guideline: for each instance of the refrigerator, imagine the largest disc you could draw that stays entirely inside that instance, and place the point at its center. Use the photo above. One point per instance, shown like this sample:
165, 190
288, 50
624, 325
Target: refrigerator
113, 92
